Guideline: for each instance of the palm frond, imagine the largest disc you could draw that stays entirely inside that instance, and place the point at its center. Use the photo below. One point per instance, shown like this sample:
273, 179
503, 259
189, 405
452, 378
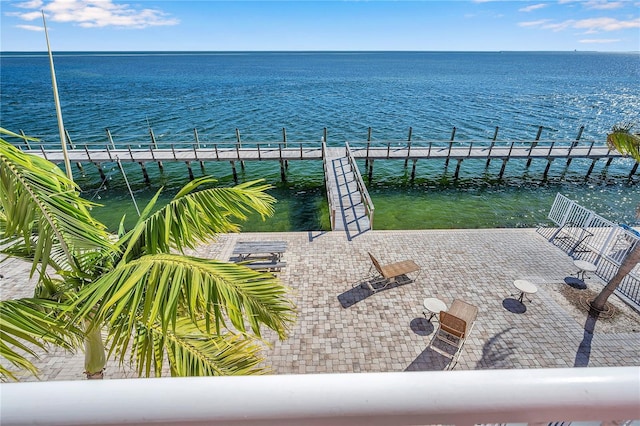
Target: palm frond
191, 351
622, 140
193, 217
27, 325
157, 288
43, 211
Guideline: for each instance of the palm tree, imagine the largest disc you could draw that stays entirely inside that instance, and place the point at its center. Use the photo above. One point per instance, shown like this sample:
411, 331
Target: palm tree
136, 294
625, 142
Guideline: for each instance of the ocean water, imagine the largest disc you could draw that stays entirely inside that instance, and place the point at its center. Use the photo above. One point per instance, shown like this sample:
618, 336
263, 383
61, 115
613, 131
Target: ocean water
260, 93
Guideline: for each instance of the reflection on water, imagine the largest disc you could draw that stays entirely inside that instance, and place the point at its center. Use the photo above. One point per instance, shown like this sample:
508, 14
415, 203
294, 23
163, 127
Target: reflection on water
433, 200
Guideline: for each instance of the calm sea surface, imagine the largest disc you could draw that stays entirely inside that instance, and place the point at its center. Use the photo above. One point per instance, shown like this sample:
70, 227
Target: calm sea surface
261, 93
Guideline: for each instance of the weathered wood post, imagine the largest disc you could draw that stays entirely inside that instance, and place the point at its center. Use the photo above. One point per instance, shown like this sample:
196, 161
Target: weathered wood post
69, 142
190, 171
406, 160
284, 164
533, 145
633, 170
103, 178
457, 172
154, 145
575, 143
453, 135
110, 138
413, 169
593, 163
195, 135
72, 146
546, 169
238, 148
502, 168
366, 159
233, 170
25, 139
493, 142
144, 173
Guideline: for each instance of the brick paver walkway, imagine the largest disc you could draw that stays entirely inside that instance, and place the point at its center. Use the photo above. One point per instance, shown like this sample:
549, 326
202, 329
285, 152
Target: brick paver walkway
342, 327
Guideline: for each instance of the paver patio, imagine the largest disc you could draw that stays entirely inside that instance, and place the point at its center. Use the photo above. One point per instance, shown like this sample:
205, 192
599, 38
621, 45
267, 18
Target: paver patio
343, 328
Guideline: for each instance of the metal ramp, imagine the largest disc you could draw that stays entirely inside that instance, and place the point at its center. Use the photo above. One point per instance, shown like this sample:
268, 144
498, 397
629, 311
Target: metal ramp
350, 206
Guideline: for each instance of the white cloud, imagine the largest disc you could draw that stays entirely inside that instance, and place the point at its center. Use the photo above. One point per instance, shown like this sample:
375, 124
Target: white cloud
96, 13
590, 26
538, 23
606, 24
533, 7
599, 40
30, 27
33, 4
603, 4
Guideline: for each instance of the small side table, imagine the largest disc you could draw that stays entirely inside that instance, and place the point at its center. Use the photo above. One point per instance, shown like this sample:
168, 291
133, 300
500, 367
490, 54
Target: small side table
433, 306
525, 287
584, 267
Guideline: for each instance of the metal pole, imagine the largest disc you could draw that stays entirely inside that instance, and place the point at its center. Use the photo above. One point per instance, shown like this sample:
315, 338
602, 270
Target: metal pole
67, 164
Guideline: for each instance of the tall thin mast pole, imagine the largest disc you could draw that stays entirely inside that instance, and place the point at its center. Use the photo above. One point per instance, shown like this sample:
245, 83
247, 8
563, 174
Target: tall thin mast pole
63, 139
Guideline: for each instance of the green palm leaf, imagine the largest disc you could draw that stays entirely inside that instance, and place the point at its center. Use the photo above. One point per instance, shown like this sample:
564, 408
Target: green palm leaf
160, 287
36, 198
192, 352
25, 326
622, 140
193, 217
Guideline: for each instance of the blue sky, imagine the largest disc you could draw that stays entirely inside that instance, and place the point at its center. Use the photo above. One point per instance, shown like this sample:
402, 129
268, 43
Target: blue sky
480, 25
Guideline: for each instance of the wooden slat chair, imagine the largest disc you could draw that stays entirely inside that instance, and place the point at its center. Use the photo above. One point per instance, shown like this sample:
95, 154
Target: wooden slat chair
387, 274
455, 326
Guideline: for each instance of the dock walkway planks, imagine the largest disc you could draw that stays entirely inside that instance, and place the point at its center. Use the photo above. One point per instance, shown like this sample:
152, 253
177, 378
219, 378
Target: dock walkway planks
344, 193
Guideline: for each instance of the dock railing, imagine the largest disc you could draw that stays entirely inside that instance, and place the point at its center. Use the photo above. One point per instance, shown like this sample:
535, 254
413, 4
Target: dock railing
488, 148
332, 209
366, 199
586, 235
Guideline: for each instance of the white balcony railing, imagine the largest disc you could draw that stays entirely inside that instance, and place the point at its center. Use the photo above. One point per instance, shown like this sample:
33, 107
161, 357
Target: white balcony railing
435, 397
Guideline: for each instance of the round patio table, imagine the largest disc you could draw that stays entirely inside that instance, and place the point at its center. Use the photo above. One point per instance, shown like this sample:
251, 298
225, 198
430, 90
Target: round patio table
525, 287
584, 267
433, 306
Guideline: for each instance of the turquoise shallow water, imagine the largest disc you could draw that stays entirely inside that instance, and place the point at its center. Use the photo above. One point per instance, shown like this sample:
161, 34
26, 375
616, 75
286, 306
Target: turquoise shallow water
259, 93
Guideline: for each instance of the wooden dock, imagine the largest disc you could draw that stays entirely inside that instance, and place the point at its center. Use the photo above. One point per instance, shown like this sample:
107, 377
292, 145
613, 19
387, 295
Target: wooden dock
350, 206
349, 202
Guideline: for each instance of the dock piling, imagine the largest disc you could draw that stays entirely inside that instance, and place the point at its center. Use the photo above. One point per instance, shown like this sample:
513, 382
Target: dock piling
154, 145
144, 173
233, 170
457, 172
493, 142
633, 170
533, 145
190, 170
238, 146
413, 169
406, 160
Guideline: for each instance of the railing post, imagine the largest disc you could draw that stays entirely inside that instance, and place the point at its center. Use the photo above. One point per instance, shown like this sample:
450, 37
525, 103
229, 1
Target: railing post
238, 145
110, 138
24, 136
195, 135
575, 143
406, 160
